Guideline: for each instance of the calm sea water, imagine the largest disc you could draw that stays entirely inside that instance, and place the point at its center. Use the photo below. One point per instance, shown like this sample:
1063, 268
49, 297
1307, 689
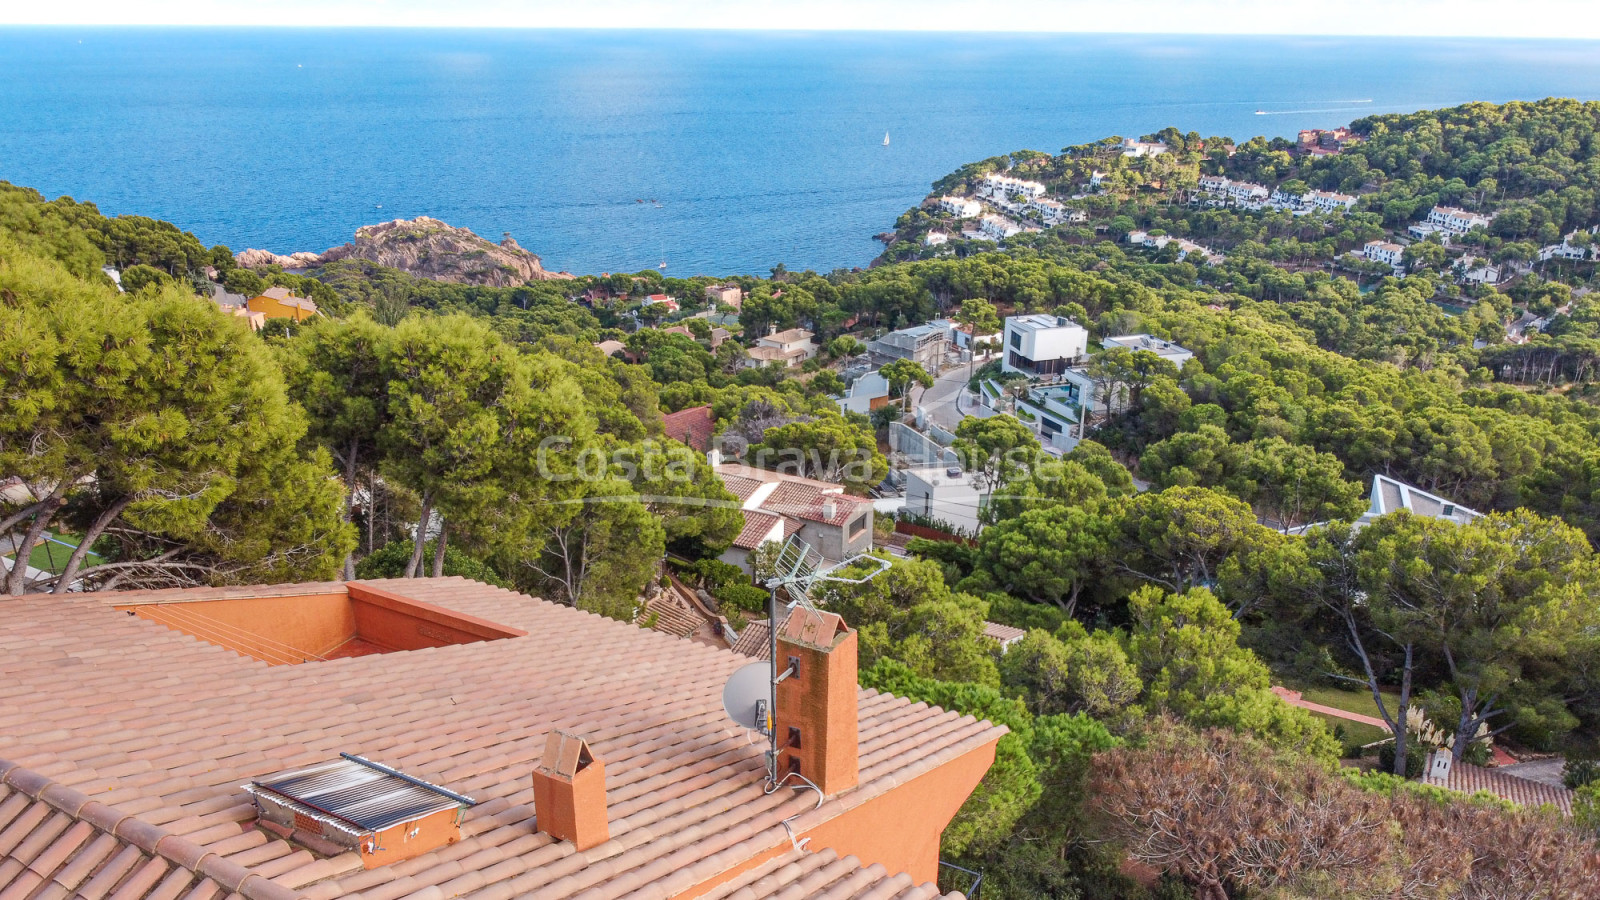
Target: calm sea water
748, 149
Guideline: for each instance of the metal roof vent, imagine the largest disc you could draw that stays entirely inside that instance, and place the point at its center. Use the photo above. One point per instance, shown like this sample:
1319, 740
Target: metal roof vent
353, 803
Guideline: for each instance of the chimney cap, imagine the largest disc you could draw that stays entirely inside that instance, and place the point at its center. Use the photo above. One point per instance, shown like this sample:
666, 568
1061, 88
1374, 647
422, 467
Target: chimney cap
814, 628
565, 754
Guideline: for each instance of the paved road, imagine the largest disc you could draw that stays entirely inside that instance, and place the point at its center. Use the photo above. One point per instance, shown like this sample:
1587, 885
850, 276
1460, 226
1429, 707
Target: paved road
939, 401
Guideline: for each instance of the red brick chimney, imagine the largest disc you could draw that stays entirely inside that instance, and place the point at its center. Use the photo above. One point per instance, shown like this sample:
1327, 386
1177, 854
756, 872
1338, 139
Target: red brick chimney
569, 792
816, 716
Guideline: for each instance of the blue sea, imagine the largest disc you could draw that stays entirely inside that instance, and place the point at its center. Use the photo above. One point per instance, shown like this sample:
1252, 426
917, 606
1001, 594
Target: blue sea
716, 152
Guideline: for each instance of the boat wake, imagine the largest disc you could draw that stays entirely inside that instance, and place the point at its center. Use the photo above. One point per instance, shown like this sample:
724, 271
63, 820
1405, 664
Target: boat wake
1300, 112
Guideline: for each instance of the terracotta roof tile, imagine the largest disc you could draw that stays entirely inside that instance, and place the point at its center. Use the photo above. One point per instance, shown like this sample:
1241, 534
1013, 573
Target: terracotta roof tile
1005, 634
1470, 779
755, 640
692, 426
186, 722
741, 486
758, 526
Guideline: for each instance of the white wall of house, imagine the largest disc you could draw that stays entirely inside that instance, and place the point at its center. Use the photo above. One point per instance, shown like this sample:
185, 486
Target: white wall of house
933, 491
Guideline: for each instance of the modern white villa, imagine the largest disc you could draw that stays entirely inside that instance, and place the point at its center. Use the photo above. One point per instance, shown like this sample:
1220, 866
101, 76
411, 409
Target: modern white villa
1039, 344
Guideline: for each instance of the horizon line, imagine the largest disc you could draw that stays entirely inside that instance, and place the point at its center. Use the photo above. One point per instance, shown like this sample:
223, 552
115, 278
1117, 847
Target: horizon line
714, 29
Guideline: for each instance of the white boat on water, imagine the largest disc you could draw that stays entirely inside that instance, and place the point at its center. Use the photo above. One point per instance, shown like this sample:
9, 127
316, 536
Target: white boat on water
886, 138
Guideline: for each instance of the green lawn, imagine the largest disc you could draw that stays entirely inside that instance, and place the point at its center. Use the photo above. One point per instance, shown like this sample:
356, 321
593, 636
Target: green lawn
51, 556
1352, 699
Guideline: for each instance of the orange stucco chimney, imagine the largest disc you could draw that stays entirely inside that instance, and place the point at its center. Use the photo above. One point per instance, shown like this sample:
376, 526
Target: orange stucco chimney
816, 716
569, 792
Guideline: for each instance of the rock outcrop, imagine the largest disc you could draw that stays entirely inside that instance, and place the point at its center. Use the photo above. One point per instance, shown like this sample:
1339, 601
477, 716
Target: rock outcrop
427, 248
254, 259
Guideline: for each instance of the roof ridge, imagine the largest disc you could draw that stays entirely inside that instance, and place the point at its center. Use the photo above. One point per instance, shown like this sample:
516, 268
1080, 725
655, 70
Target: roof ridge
152, 839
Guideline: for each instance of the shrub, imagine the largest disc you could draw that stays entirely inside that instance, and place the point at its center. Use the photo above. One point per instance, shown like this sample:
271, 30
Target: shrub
742, 597
1580, 772
1416, 758
1182, 800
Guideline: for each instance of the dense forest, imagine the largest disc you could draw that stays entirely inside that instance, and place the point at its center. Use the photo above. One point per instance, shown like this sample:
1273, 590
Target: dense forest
424, 428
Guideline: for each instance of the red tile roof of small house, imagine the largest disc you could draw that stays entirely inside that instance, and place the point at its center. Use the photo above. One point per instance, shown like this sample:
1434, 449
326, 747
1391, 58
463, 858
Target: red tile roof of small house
692, 426
1470, 779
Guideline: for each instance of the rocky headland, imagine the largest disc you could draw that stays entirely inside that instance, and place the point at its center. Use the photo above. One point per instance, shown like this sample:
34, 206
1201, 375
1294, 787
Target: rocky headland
424, 247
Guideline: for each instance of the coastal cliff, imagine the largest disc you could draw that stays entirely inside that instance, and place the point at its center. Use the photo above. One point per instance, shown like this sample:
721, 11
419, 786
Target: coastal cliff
427, 248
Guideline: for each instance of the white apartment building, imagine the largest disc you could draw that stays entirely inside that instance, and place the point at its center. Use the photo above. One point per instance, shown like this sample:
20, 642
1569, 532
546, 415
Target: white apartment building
1330, 201
1456, 220
1185, 247
1384, 252
1095, 180
1054, 212
1004, 187
998, 228
1042, 344
1214, 184
960, 207
1246, 193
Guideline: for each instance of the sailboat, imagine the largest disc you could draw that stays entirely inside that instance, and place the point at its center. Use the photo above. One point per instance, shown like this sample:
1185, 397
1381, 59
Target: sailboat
663, 266
886, 138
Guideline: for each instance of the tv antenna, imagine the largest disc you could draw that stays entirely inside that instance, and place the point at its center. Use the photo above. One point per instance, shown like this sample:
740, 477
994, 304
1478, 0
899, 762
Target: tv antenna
751, 694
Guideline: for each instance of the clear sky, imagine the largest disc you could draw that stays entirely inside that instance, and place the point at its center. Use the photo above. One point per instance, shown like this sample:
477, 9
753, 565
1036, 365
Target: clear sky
1485, 18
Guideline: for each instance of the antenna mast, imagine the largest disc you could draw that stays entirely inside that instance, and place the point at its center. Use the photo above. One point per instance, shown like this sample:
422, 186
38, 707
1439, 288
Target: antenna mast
797, 572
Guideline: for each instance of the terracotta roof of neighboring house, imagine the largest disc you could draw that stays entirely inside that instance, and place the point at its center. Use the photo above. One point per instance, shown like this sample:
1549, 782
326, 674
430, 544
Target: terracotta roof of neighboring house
611, 347
755, 640
791, 336
1469, 779
692, 426
814, 501
127, 713
1005, 634
741, 486
773, 354
288, 298
757, 526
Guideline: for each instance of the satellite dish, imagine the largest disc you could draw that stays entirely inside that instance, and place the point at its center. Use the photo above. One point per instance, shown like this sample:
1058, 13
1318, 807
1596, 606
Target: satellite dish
746, 695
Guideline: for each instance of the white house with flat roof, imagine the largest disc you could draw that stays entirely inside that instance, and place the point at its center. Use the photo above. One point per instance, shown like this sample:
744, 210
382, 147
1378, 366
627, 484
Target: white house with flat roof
869, 391
935, 238
1131, 147
1571, 247
1167, 350
1041, 344
945, 493
1476, 270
